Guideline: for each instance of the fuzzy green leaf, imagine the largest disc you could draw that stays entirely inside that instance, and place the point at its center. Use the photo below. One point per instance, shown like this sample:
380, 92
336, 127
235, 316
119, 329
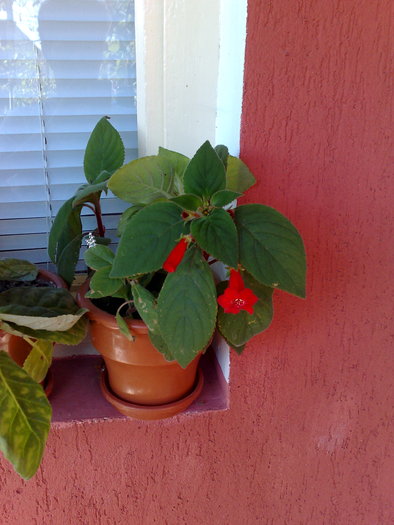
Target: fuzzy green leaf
187, 307
238, 328
68, 259
40, 308
271, 248
173, 164
188, 201
104, 151
17, 270
39, 360
146, 306
72, 336
224, 197
65, 228
222, 152
160, 345
238, 176
98, 257
105, 241
89, 193
148, 238
217, 235
123, 327
102, 285
205, 174
126, 216
141, 181
25, 416
239, 349
102, 177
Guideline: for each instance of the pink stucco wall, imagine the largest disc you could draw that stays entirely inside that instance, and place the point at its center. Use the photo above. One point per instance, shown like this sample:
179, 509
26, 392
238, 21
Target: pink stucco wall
307, 439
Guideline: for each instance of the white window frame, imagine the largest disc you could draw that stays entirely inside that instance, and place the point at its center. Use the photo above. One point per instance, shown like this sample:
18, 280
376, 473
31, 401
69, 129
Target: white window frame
190, 57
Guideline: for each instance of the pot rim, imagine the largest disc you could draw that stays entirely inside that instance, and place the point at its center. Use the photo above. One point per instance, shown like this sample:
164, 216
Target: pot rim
54, 278
109, 320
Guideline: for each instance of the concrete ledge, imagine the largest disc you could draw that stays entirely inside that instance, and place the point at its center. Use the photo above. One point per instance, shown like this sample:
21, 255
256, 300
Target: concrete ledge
77, 398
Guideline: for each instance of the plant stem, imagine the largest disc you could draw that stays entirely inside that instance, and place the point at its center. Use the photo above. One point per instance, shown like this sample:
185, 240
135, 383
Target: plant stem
96, 209
100, 225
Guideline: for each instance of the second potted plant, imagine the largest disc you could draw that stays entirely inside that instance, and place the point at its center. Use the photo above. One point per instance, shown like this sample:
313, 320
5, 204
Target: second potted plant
35, 312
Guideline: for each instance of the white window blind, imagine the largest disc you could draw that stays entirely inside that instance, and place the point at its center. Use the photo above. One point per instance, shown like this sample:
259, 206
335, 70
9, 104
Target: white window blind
63, 65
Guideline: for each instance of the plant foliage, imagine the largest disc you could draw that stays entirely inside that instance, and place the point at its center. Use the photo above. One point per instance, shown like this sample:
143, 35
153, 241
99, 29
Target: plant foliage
183, 216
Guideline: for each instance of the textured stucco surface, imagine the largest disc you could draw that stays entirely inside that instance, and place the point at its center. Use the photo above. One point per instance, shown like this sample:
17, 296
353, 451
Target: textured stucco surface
307, 439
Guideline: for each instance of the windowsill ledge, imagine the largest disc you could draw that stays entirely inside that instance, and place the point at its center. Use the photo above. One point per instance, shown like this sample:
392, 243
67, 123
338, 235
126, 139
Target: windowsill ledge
76, 397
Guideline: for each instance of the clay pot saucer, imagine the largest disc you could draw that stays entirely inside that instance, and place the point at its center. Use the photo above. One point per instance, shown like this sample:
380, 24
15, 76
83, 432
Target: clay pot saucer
150, 412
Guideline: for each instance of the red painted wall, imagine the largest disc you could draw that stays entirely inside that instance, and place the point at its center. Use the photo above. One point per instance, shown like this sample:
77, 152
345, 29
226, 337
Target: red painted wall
308, 438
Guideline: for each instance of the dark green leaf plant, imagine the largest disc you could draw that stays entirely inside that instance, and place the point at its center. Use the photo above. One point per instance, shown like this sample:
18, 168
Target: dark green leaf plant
41, 316
183, 219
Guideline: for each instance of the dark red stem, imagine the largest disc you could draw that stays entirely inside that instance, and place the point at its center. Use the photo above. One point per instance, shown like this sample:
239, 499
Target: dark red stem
96, 209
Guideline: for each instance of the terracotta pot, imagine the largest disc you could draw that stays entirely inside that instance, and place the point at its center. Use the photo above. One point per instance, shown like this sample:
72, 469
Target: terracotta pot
137, 372
17, 348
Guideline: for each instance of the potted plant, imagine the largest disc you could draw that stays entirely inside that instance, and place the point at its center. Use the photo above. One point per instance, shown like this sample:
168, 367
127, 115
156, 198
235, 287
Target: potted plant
182, 220
35, 311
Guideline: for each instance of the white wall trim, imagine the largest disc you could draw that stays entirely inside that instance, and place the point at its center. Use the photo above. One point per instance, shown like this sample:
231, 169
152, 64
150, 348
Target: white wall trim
190, 57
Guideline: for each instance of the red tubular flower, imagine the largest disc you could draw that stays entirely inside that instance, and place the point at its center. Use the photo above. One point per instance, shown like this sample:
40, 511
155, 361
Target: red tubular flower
236, 297
175, 256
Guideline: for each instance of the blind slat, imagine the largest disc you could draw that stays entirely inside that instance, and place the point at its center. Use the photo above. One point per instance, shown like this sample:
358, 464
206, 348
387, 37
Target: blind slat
55, 141
64, 124
39, 224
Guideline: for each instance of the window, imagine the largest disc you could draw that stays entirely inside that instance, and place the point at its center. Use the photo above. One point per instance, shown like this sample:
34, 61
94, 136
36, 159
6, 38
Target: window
63, 65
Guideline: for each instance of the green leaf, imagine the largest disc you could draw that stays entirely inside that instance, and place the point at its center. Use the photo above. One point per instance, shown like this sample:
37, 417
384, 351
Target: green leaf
68, 259
223, 197
205, 174
188, 201
98, 256
66, 226
39, 360
146, 306
102, 285
40, 308
102, 177
239, 349
126, 216
160, 345
17, 270
141, 181
271, 248
173, 164
123, 327
89, 193
222, 152
238, 328
72, 336
187, 307
103, 240
25, 416
238, 176
217, 235
104, 151
148, 238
